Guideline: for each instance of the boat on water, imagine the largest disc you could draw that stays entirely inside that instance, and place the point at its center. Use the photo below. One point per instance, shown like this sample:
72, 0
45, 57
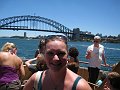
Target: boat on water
82, 71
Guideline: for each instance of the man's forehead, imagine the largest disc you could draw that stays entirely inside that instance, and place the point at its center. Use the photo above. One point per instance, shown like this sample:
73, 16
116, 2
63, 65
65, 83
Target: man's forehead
97, 38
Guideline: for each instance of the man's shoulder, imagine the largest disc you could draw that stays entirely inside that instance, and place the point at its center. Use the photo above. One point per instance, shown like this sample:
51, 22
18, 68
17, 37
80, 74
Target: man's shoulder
91, 46
101, 46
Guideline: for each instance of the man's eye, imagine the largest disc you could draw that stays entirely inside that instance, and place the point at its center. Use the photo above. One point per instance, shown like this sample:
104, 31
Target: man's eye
50, 53
61, 54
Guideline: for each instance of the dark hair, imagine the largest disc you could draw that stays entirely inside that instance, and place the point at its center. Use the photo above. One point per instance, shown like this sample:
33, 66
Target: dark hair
114, 79
73, 52
41, 43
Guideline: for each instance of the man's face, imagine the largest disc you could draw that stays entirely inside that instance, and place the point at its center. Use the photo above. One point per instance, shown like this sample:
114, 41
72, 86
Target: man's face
96, 42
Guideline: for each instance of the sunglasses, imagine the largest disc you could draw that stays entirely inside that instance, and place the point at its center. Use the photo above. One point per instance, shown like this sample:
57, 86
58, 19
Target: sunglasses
56, 37
96, 41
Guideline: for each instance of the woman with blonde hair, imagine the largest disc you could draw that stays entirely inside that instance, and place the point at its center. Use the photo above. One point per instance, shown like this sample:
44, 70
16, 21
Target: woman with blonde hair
11, 68
9, 47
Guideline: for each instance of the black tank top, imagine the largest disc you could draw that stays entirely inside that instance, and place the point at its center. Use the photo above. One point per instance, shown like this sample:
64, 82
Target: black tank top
73, 87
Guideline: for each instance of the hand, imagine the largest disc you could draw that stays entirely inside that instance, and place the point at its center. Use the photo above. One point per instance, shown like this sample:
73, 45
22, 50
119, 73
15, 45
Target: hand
39, 56
89, 54
107, 65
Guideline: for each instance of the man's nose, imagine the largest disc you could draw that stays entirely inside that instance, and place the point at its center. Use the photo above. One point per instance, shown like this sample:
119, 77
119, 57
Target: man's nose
55, 57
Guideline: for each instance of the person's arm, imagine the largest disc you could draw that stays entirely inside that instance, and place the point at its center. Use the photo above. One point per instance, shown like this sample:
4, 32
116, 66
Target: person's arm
38, 57
88, 54
21, 70
30, 83
103, 58
27, 63
83, 85
36, 53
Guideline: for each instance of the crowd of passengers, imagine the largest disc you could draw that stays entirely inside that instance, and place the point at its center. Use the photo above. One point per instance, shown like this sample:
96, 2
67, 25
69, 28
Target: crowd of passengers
55, 63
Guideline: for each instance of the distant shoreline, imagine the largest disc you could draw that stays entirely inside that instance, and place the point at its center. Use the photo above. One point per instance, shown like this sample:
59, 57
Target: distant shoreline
103, 40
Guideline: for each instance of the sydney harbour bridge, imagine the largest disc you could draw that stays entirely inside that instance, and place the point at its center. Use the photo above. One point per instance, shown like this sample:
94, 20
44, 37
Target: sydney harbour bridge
36, 23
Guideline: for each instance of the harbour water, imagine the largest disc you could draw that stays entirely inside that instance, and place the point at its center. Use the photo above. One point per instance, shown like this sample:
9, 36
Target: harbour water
27, 48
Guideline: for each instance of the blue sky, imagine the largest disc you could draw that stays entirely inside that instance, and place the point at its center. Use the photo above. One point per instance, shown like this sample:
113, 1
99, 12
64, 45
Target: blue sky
95, 16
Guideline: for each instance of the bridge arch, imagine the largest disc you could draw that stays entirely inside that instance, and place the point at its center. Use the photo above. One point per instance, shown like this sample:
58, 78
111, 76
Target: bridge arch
24, 23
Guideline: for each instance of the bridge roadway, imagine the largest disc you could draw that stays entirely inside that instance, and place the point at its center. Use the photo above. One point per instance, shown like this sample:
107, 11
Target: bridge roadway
35, 30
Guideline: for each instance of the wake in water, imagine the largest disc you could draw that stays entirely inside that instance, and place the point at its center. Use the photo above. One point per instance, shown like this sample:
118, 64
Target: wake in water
105, 47
113, 48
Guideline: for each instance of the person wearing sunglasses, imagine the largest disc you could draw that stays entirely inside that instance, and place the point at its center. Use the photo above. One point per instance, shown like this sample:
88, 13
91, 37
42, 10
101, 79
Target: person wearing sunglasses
57, 76
95, 54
